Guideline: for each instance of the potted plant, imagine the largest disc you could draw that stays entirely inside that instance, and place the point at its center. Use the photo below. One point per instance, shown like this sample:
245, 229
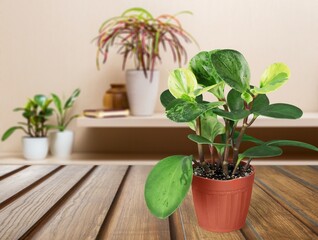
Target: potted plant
221, 184
61, 141
139, 35
36, 113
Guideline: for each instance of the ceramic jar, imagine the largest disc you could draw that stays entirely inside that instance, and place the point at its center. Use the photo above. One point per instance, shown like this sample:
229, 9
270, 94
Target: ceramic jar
115, 98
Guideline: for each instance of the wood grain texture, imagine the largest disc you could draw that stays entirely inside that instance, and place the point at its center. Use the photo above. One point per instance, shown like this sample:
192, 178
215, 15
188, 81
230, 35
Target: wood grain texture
306, 175
130, 218
17, 218
17, 182
300, 200
185, 220
267, 219
6, 170
84, 211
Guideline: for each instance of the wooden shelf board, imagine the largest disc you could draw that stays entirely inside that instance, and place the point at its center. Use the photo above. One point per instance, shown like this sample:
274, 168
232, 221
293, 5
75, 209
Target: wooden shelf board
159, 120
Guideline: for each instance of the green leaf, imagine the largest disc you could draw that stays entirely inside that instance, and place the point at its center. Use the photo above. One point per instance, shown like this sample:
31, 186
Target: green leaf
210, 126
181, 110
262, 151
166, 98
280, 110
273, 77
182, 82
168, 184
199, 139
260, 102
232, 67
199, 91
57, 103
19, 109
9, 132
40, 99
291, 143
69, 102
201, 66
235, 101
247, 97
248, 138
234, 116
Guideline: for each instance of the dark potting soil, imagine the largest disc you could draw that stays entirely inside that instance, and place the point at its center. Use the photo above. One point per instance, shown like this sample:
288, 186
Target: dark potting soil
212, 172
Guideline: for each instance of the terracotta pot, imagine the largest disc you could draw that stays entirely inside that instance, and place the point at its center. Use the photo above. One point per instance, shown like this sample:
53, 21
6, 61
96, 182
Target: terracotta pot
222, 206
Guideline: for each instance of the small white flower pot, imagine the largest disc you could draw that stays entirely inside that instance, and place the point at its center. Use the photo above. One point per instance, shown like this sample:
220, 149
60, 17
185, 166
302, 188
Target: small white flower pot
35, 148
142, 92
61, 144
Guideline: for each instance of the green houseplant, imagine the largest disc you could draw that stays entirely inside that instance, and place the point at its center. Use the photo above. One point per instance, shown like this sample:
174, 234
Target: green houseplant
137, 34
224, 176
61, 141
36, 113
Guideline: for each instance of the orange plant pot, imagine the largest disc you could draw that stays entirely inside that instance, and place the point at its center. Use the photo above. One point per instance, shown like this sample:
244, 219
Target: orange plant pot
222, 206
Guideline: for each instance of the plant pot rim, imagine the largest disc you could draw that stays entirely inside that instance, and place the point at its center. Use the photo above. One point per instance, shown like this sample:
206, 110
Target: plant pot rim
228, 181
28, 137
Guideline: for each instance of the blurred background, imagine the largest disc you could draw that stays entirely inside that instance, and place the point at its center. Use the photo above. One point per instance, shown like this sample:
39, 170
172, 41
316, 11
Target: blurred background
46, 46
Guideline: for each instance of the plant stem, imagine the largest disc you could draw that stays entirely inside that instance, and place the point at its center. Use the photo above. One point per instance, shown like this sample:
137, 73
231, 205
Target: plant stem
200, 146
247, 164
238, 141
211, 149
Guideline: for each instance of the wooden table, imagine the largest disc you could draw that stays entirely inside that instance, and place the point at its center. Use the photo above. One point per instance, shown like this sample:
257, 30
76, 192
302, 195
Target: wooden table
106, 202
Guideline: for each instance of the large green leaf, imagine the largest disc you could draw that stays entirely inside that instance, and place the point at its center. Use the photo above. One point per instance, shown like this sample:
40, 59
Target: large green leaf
199, 139
167, 185
234, 100
234, 116
40, 99
260, 102
9, 132
273, 77
57, 103
280, 110
262, 151
166, 98
232, 67
291, 143
181, 110
69, 102
201, 66
181, 82
210, 126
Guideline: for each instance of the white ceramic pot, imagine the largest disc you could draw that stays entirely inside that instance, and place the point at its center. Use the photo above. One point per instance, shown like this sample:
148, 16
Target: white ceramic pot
142, 92
61, 144
35, 148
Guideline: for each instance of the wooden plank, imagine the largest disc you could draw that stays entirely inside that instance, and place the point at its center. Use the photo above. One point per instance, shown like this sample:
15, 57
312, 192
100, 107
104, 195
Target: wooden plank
19, 217
129, 217
304, 174
299, 200
184, 224
267, 219
6, 170
16, 183
84, 211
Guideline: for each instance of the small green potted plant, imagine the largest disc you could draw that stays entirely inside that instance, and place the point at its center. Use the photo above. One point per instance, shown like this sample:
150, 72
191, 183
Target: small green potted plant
139, 35
36, 113
61, 141
221, 184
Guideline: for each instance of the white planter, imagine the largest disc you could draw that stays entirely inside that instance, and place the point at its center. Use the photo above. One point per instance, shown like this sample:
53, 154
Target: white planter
35, 148
142, 92
61, 144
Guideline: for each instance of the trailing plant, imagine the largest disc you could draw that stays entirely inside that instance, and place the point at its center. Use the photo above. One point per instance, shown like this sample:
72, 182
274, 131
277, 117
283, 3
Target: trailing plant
62, 110
36, 113
209, 72
140, 35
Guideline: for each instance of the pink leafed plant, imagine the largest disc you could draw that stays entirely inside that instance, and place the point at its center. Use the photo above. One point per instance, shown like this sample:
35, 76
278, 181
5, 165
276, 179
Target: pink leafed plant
137, 34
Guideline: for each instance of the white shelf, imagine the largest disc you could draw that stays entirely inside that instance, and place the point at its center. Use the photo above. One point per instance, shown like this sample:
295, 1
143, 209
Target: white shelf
159, 120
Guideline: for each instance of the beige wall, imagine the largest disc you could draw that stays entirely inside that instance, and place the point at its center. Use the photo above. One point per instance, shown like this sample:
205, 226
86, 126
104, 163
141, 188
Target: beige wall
45, 46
